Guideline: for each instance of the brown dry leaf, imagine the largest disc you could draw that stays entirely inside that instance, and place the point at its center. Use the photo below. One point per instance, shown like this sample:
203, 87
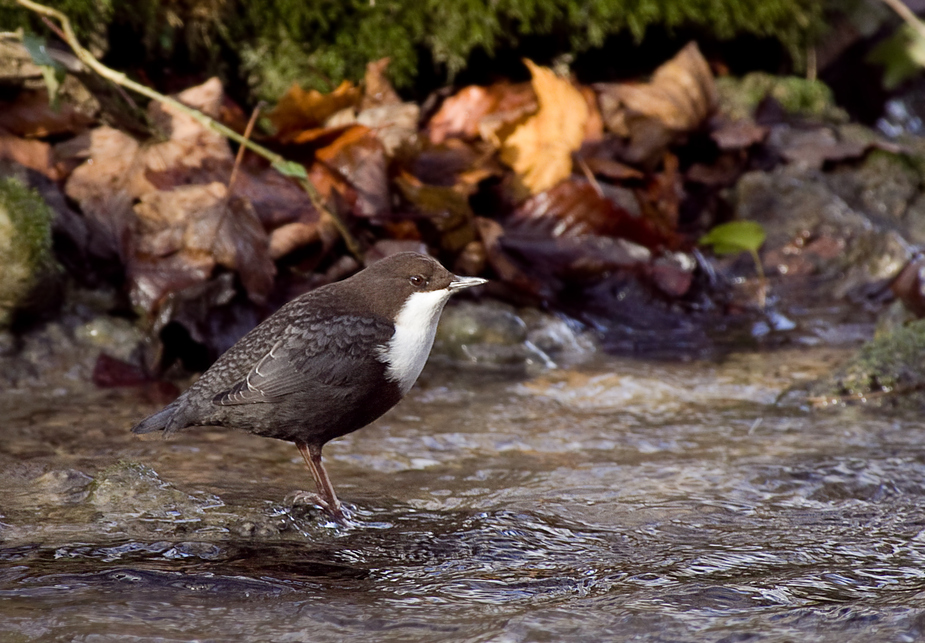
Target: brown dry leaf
30, 116
447, 208
300, 110
292, 236
480, 111
610, 169
681, 94
377, 90
36, 155
395, 124
539, 149
575, 209
739, 135
152, 279
276, 199
661, 199
594, 128
241, 244
679, 98
491, 233
102, 185
358, 160
459, 115
193, 153
201, 221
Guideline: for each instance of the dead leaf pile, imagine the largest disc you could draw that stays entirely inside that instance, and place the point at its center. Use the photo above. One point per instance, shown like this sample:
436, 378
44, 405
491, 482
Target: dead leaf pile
540, 185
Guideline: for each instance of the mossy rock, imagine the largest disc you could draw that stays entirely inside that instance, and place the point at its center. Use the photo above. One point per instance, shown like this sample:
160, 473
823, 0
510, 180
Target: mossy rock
890, 368
738, 97
26, 259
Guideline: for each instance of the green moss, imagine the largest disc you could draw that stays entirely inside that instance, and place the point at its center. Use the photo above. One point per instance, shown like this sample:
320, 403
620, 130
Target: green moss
25, 244
739, 96
321, 42
891, 362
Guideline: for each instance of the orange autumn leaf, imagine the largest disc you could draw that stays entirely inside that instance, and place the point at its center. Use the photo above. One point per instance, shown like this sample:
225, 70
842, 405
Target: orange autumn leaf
539, 148
300, 110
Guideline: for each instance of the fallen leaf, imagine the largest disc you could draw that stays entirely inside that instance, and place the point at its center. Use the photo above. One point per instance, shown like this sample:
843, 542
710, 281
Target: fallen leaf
539, 149
377, 90
491, 233
661, 199
610, 169
909, 286
292, 236
573, 209
395, 124
300, 110
358, 160
446, 208
739, 135
193, 153
152, 279
722, 173
678, 99
277, 200
480, 111
594, 126
36, 155
241, 244
31, 116
201, 221
109, 372
102, 186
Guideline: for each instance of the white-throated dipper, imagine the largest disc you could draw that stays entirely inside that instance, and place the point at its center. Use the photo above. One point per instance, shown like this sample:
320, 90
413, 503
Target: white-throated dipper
327, 363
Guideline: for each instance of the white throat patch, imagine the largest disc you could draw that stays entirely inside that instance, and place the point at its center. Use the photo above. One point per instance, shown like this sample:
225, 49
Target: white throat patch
415, 327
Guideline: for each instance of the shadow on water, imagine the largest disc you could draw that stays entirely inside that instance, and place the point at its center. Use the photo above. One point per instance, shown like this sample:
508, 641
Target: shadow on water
621, 501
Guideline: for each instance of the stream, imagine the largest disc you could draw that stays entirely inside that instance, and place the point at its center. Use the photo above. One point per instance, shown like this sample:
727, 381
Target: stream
619, 500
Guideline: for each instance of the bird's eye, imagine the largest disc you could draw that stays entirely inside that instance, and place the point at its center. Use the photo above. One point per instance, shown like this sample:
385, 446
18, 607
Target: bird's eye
418, 281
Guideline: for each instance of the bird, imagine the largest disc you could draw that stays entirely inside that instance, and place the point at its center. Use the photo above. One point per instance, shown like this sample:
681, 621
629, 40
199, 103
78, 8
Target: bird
325, 364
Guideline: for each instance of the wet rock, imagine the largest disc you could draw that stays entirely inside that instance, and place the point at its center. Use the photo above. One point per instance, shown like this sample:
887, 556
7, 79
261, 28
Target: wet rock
64, 486
815, 237
493, 334
115, 336
27, 265
133, 492
887, 370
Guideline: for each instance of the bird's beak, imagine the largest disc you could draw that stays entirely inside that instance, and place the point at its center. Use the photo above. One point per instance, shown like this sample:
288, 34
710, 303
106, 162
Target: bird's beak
459, 283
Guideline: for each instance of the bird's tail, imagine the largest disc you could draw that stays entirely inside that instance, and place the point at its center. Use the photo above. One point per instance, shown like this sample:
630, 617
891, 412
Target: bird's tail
157, 422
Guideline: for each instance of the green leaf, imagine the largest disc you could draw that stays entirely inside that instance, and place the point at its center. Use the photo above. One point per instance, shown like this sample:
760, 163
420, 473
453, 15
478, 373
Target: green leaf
735, 236
902, 56
53, 72
291, 168
37, 48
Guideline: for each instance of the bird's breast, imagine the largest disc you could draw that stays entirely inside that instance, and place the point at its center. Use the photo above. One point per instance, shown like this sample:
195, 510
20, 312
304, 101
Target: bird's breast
415, 326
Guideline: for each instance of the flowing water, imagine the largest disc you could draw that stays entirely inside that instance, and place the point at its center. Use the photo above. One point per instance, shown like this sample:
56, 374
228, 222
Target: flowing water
617, 501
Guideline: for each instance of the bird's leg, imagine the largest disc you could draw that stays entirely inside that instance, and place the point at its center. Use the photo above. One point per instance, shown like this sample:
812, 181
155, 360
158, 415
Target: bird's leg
326, 497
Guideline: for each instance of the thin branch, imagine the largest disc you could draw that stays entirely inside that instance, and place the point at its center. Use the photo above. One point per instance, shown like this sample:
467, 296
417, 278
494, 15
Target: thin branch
240, 155
906, 14
288, 168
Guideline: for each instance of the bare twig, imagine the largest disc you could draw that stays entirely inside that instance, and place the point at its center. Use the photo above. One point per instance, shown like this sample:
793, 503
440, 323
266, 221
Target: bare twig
289, 168
240, 156
906, 14
590, 176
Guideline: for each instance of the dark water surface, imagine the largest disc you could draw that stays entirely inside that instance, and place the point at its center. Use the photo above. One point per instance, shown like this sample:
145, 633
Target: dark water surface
621, 501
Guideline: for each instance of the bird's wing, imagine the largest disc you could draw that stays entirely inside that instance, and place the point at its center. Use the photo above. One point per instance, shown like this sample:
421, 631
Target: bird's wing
328, 353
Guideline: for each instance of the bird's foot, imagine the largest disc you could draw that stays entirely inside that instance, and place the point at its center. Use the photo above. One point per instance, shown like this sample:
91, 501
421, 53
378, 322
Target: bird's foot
303, 498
